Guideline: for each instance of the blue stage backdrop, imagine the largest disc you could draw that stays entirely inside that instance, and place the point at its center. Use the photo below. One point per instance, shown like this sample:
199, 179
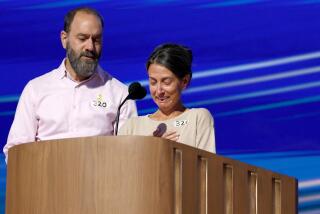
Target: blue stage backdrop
256, 68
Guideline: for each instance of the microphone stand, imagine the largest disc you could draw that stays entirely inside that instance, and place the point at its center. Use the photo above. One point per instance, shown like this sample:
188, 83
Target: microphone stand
118, 115
136, 92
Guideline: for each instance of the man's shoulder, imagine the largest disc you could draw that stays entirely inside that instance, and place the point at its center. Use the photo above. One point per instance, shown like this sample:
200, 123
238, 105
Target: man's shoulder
49, 75
112, 81
44, 78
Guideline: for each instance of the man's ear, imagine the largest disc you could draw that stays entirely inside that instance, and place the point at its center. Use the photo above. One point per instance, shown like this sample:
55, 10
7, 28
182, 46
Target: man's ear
64, 38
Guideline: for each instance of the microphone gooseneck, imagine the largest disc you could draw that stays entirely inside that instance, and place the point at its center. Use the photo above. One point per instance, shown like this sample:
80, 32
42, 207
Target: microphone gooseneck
136, 92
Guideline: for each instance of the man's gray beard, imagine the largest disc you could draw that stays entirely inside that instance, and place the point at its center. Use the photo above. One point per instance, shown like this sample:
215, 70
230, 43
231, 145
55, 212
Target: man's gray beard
82, 68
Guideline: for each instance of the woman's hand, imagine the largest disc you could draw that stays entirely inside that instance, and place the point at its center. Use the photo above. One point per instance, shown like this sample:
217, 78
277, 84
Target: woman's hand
171, 135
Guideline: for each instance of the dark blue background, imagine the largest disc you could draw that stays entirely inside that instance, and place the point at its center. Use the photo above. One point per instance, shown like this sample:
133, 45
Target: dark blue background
256, 68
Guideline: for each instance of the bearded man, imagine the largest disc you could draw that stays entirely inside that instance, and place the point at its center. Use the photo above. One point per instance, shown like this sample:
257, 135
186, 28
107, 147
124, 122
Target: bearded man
78, 98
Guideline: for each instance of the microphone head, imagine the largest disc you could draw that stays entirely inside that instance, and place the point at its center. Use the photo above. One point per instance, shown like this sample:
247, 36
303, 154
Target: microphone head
161, 129
136, 91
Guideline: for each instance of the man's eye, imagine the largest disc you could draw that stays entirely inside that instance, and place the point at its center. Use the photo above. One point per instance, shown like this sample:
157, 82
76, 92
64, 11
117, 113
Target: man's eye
97, 41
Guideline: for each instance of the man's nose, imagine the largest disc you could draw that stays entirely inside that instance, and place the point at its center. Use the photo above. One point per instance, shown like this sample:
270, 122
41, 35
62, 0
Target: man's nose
89, 45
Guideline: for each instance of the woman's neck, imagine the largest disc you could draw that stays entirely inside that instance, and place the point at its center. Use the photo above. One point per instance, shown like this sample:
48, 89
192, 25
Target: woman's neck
166, 115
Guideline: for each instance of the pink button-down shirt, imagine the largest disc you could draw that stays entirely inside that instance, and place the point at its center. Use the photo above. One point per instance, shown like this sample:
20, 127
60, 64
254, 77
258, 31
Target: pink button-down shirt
53, 106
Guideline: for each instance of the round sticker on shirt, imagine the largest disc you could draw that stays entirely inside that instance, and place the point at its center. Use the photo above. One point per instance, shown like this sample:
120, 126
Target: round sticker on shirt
99, 102
179, 123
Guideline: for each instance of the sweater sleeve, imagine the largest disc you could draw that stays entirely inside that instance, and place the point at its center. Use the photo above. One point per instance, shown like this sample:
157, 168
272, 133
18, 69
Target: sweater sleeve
205, 136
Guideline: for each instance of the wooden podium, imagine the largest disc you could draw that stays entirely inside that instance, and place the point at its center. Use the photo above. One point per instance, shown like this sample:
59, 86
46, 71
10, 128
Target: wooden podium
139, 175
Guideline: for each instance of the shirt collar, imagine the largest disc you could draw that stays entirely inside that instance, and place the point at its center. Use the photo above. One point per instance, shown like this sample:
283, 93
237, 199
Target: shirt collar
62, 72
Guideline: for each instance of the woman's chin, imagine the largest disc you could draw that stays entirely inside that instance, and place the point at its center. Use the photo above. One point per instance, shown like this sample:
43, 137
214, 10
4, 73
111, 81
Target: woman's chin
164, 107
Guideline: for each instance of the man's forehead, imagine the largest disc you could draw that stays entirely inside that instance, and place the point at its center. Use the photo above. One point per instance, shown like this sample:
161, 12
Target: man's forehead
82, 18
85, 14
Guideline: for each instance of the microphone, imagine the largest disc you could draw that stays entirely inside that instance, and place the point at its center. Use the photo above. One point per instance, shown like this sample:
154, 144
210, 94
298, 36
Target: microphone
136, 92
161, 129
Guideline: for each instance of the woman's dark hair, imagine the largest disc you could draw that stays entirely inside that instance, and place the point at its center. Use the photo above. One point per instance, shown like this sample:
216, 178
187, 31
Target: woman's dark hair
176, 58
71, 14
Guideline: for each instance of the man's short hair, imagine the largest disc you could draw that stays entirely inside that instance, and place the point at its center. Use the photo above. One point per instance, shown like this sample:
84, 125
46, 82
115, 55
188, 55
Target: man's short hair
70, 16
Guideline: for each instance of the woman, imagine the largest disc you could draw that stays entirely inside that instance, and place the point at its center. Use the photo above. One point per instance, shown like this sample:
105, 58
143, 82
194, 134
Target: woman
169, 71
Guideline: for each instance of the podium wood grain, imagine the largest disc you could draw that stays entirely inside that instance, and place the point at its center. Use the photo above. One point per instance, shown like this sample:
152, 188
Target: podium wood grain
138, 175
